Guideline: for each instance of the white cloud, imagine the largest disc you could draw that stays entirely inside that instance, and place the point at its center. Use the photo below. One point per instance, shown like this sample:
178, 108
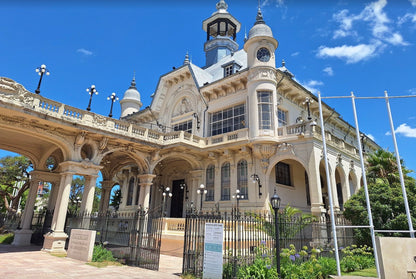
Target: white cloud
382, 34
413, 2
329, 71
351, 54
406, 131
85, 51
412, 91
295, 53
371, 137
312, 85
407, 17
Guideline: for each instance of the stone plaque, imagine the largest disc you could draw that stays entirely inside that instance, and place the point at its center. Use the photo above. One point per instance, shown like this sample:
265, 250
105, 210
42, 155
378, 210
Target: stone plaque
81, 245
397, 257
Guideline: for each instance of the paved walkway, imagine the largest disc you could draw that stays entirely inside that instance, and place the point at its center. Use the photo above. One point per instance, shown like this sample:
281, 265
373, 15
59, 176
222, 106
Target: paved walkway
29, 262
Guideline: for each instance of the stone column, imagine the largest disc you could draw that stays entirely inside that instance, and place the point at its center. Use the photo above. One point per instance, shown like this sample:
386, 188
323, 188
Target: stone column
146, 180
333, 185
124, 188
196, 181
106, 187
88, 195
52, 195
315, 190
22, 237
55, 240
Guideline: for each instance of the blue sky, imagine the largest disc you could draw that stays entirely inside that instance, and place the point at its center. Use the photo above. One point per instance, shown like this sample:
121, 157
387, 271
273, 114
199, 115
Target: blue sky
332, 46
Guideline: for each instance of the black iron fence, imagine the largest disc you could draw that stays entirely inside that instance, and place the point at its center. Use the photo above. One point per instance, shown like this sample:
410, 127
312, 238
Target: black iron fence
246, 232
134, 237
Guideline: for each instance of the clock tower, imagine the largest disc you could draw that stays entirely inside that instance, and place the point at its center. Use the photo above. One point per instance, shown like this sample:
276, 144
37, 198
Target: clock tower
261, 84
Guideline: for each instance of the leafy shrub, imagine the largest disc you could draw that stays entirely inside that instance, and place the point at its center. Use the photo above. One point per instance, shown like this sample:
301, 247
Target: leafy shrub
101, 254
6, 238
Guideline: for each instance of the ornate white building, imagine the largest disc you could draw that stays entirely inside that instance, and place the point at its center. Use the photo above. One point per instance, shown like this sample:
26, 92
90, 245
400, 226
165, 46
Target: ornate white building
236, 123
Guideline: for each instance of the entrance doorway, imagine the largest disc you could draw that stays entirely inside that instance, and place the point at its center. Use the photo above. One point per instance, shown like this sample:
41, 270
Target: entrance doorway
176, 206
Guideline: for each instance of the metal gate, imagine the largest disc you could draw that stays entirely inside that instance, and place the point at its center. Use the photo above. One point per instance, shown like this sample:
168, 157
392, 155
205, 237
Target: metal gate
146, 241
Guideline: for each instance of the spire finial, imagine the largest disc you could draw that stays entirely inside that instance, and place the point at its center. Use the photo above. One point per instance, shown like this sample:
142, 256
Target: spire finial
259, 17
283, 63
245, 35
222, 5
186, 61
133, 81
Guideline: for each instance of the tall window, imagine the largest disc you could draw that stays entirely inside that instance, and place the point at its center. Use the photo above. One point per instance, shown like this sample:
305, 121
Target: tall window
308, 193
137, 192
283, 174
227, 120
282, 117
242, 178
264, 99
184, 126
130, 192
225, 182
210, 178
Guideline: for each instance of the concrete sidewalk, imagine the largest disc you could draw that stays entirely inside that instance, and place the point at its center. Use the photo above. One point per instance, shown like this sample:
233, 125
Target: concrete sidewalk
30, 262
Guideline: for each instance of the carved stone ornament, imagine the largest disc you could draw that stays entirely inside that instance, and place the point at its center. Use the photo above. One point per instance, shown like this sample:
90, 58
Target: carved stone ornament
286, 147
264, 152
262, 73
352, 165
103, 144
99, 119
14, 91
339, 159
182, 108
79, 140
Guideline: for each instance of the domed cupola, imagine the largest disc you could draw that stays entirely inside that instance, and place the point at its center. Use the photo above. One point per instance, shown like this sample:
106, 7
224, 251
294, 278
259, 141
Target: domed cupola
260, 45
261, 30
222, 29
131, 100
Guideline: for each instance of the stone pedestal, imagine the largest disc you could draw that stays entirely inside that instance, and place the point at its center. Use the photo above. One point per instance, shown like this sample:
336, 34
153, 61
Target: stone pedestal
22, 237
55, 242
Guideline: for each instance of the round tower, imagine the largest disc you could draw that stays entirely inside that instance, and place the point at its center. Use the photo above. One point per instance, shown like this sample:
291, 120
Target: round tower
131, 100
261, 84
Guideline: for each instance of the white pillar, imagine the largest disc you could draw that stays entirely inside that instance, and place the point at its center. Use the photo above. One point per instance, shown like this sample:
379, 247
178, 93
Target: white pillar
106, 187
88, 195
22, 237
146, 180
55, 240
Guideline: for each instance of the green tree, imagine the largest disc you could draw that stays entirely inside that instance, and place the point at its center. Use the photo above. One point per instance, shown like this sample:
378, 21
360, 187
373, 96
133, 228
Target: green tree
75, 195
14, 181
386, 198
116, 199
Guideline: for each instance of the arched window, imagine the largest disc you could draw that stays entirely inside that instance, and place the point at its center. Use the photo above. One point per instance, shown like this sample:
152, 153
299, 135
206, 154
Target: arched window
225, 182
130, 191
242, 178
210, 178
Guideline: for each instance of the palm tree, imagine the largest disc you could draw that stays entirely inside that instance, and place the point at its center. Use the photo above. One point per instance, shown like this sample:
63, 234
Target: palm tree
382, 164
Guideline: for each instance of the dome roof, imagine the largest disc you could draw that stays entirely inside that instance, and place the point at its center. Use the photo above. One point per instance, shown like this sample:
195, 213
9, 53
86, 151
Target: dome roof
260, 28
132, 94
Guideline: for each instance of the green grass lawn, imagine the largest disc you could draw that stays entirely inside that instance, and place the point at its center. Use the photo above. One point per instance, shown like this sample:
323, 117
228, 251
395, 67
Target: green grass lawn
369, 272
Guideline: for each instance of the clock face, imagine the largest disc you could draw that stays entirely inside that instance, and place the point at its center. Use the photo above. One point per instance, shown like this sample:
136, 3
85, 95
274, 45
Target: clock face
263, 54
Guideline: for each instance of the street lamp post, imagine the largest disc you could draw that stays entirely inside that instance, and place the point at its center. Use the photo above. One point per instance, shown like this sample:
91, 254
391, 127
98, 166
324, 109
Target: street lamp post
166, 193
41, 71
77, 202
201, 191
308, 101
256, 179
184, 186
275, 201
238, 197
91, 91
113, 98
